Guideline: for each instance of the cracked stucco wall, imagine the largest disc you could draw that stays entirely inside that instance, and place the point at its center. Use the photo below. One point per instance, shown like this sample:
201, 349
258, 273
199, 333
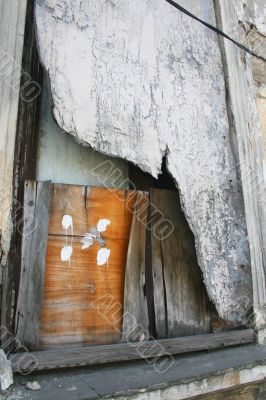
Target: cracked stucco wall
139, 80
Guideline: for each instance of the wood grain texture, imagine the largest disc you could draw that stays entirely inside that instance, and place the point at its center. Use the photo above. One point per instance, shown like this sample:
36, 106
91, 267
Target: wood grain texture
161, 319
12, 29
136, 321
84, 356
87, 205
182, 307
18, 121
34, 244
83, 301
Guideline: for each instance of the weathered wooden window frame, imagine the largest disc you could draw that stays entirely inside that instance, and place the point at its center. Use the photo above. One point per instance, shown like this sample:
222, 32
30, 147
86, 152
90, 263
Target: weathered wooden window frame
24, 168
28, 318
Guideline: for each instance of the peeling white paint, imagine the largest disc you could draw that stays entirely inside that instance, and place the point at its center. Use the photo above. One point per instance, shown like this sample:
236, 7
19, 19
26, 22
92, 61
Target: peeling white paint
95, 234
66, 253
67, 222
103, 256
60, 159
103, 224
87, 241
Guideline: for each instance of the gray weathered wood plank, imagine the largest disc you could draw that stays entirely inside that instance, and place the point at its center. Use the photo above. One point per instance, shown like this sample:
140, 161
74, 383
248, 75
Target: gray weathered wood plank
34, 244
161, 324
242, 107
12, 30
177, 277
84, 356
135, 313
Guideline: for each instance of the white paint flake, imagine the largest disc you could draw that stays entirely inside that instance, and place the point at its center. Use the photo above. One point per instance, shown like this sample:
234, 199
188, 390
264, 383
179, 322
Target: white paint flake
95, 234
67, 222
102, 225
103, 256
87, 241
66, 253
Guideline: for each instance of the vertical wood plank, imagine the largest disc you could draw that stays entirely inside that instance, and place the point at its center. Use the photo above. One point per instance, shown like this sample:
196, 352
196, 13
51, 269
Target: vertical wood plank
182, 307
139, 180
159, 290
242, 104
34, 244
18, 121
149, 289
135, 315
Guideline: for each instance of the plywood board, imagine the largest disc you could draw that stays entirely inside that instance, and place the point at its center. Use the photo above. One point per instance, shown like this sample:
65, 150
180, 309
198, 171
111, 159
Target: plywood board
83, 298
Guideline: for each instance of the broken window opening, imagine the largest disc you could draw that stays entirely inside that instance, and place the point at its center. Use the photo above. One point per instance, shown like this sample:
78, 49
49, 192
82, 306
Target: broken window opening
121, 263
147, 300
167, 263
109, 276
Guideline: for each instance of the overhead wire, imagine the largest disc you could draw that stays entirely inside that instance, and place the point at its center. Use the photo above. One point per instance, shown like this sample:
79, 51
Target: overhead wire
216, 30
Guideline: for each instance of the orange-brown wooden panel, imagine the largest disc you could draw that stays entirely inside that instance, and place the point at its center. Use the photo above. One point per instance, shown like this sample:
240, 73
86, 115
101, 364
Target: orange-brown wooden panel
113, 205
87, 205
68, 200
83, 295
82, 269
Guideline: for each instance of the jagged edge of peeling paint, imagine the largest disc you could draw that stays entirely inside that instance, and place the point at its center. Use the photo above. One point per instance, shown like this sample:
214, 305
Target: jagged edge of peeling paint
84, 143
73, 133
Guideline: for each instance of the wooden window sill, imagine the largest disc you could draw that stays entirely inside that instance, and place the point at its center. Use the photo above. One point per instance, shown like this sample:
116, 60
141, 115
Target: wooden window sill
191, 375
92, 355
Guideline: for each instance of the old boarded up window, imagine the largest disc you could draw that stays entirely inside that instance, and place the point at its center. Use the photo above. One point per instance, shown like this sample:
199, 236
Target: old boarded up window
128, 283
119, 266
163, 294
